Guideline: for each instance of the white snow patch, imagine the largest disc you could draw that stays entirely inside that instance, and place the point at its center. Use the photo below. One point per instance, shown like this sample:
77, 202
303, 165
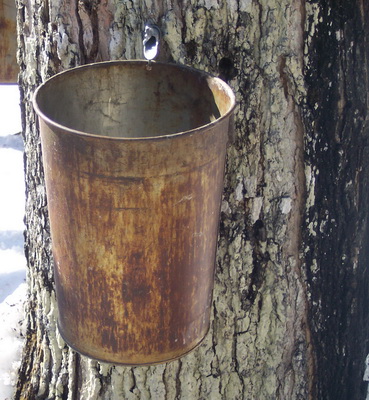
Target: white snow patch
12, 260
11, 339
10, 117
12, 184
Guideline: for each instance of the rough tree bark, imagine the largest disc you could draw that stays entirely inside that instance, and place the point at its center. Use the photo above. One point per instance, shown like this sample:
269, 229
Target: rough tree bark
290, 309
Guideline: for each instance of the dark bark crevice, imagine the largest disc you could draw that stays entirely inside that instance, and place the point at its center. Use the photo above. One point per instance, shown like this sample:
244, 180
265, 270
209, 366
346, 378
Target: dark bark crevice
338, 83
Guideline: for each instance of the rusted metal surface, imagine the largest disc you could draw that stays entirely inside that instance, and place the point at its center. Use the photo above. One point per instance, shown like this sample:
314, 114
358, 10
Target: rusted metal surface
134, 209
8, 42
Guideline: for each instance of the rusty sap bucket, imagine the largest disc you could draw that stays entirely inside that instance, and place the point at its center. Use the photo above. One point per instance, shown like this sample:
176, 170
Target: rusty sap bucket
134, 163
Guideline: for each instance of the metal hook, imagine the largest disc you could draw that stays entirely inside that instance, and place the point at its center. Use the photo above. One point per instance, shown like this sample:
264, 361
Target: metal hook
150, 42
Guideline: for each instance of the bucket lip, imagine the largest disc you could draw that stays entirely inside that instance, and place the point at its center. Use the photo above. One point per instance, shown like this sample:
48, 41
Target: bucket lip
215, 79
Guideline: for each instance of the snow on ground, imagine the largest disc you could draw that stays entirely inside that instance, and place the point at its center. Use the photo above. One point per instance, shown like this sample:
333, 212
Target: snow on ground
12, 260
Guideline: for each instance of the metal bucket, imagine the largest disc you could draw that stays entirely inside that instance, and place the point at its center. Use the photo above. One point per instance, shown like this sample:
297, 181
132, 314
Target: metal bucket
134, 162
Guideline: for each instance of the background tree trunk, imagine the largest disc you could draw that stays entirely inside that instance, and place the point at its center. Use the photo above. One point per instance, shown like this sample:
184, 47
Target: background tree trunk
290, 309
8, 42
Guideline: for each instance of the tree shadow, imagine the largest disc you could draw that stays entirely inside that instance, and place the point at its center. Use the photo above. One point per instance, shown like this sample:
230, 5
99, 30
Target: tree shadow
12, 142
12, 240
9, 282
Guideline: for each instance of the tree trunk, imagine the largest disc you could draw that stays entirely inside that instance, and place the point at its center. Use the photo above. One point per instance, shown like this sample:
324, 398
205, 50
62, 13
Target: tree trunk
290, 314
8, 42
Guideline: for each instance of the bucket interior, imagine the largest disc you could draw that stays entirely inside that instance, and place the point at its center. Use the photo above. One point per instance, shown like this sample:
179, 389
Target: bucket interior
128, 100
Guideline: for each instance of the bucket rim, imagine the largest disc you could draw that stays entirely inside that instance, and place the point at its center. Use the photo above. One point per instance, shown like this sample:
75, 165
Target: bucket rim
225, 87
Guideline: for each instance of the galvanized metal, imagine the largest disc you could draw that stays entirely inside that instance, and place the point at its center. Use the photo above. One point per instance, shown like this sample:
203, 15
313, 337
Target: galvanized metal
150, 42
8, 42
134, 163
